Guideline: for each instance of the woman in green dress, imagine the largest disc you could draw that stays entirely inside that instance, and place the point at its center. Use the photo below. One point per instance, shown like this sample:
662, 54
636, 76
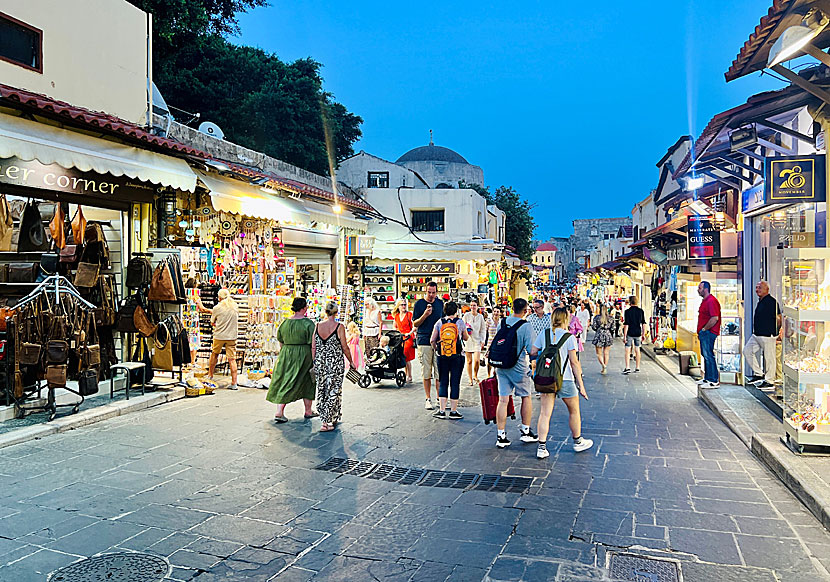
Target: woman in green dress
291, 379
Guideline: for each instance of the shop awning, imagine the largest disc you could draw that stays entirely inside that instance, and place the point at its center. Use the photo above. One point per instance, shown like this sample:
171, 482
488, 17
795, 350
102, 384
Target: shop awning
237, 197
424, 252
324, 214
30, 140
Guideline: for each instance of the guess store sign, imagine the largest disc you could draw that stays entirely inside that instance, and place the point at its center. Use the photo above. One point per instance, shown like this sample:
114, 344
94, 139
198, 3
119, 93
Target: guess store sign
704, 239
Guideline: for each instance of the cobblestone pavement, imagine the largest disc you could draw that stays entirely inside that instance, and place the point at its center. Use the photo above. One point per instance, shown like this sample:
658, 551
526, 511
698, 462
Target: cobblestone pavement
224, 494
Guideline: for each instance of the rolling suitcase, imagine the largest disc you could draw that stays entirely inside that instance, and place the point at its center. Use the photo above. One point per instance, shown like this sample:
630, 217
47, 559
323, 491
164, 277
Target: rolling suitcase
490, 399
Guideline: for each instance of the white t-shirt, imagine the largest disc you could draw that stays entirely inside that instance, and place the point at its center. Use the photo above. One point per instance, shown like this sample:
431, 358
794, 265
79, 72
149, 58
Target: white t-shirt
476, 327
570, 344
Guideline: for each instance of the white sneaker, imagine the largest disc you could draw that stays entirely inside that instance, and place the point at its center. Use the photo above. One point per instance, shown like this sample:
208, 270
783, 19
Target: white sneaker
701, 381
428, 405
542, 453
583, 446
712, 385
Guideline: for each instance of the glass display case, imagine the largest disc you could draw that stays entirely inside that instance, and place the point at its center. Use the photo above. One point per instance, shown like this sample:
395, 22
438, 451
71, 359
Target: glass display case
806, 346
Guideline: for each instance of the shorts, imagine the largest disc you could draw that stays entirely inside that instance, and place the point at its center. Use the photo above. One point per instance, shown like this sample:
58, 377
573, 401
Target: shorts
568, 389
229, 345
633, 341
515, 382
429, 365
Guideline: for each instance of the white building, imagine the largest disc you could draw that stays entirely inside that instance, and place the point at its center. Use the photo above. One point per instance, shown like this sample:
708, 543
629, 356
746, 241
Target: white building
364, 170
441, 167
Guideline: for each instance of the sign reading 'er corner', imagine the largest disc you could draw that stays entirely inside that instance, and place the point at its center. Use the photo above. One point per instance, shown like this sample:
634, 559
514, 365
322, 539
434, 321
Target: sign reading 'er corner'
792, 179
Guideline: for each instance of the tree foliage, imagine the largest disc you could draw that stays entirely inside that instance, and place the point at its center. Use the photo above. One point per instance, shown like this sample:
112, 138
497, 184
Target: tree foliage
259, 101
517, 214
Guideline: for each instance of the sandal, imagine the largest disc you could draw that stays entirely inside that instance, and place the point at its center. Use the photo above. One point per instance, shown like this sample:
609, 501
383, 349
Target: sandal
326, 427
280, 419
312, 415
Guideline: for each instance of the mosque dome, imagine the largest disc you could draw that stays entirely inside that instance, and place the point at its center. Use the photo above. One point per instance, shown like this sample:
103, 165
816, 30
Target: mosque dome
431, 153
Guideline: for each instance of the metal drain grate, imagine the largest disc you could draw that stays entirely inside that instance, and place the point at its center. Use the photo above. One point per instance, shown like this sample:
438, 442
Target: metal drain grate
123, 567
642, 569
426, 477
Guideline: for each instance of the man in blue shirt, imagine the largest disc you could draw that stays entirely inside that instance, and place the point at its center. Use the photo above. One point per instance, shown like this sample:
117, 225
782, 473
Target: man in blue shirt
516, 380
425, 315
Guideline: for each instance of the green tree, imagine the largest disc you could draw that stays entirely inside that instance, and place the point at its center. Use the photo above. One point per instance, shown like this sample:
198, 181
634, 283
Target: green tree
259, 101
517, 214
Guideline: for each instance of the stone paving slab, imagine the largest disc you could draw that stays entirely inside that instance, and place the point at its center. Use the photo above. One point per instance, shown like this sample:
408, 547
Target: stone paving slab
220, 491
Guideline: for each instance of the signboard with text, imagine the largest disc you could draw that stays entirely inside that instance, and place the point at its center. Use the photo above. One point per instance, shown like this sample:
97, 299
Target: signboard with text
704, 238
752, 198
791, 179
677, 254
360, 246
425, 268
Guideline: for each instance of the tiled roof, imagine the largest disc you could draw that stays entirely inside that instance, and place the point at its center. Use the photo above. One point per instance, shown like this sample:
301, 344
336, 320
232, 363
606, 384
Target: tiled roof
627, 230
86, 118
547, 247
758, 38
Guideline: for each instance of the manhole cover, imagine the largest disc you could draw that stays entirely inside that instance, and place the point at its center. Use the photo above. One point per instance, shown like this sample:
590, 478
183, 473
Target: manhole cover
122, 567
641, 569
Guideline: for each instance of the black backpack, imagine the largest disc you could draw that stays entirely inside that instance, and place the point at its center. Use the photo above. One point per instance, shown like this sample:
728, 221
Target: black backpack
503, 352
125, 322
139, 272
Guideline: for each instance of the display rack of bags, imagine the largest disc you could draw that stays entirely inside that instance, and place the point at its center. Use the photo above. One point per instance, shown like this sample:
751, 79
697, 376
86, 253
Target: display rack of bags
54, 341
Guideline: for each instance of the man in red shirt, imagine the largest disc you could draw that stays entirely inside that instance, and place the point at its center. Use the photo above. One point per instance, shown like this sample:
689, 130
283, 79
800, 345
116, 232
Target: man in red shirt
708, 330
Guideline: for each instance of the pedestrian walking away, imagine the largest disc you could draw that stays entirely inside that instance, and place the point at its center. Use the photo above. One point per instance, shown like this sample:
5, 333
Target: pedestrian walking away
328, 351
371, 326
603, 326
425, 315
633, 321
353, 339
446, 342
766, 329
291, 379
572, 385
583, 313
403, 323
708, 330
575, 327
512, 345
477, 332
224, 318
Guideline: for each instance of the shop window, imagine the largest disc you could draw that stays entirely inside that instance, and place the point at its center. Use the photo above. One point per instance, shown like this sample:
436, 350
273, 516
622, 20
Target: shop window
20, 43
428, 220
378, 180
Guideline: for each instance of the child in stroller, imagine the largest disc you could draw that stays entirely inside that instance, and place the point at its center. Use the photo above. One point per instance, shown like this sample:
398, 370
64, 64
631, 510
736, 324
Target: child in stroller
386, 361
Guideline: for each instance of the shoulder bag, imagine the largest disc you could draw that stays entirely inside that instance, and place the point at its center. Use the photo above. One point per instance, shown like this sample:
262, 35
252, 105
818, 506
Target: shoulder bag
161, 285
88, 382
32, 234
6, 224
23, 272
56, 227
78, 226
92, 351
56, 375
162, 350
142, 354
142, 323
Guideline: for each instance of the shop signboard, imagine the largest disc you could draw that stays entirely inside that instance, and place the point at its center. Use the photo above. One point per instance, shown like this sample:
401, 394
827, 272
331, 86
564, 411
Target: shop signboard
425, 268
33, 174
752, 198
791, 179
796, 240
360, 246
677, 254
704, 239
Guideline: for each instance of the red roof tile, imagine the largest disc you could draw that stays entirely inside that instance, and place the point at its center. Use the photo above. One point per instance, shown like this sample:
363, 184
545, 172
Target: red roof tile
547, 247
758, 37
87, 118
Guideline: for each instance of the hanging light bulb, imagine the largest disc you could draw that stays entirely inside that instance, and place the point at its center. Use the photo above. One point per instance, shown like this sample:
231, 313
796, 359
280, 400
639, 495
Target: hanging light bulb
183, 223
197, 223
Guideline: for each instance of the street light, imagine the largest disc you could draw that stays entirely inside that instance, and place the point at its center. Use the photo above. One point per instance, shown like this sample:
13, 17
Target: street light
797, 38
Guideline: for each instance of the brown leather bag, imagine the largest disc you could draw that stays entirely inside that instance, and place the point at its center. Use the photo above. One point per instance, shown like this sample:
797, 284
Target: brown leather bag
161, 285
144, 326
30, 353
91, 353
78, 226
23, 272
56, 374
6, 224
57, 351
87, 274
162, 350
56, 227
4, 313
70, 254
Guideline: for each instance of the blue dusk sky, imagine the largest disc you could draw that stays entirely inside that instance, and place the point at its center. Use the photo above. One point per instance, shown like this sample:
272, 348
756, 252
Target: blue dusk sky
570, 103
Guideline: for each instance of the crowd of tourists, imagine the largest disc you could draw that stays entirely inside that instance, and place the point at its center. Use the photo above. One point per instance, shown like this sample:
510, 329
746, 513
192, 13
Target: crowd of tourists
530, 349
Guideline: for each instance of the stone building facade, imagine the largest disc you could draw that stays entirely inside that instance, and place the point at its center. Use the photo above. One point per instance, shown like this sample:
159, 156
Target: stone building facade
588, 234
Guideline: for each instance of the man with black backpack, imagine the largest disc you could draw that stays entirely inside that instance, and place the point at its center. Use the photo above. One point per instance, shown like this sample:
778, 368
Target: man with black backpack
508, 354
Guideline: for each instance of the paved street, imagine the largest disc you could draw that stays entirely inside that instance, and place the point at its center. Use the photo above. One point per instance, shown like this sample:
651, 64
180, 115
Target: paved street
226, 495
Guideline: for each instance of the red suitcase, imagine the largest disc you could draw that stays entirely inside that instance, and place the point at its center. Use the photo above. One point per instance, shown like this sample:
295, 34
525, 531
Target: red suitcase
490, 399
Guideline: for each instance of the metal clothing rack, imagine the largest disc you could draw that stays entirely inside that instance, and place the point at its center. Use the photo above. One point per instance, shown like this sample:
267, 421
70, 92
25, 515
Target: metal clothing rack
58, 285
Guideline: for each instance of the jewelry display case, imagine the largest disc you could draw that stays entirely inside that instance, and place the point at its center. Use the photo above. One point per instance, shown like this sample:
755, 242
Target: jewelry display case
806, 347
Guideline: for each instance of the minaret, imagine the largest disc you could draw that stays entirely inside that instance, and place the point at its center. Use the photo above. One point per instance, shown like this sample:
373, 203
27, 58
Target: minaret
430, 138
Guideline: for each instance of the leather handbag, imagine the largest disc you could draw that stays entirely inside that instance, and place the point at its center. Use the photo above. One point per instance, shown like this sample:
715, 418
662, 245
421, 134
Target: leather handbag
87, 274
23, 272
161, 285
4, 273
56, 227
126, 315
91, 352
56, 374
88, 382
78, 226
32, 234
49, 263
142, 354
30, 353
162, 350
70, 254
57, 351
142, 323
4, 313
6, 224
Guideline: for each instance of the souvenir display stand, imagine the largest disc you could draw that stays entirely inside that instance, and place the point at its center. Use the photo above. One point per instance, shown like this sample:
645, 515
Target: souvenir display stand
54, 290
169, 315
806, 349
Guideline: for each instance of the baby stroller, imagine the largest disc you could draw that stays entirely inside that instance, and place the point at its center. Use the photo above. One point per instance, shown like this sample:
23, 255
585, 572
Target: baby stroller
389, 367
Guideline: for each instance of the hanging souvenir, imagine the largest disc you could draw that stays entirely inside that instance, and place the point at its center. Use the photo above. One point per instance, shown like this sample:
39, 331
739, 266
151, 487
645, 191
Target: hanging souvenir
228, 227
